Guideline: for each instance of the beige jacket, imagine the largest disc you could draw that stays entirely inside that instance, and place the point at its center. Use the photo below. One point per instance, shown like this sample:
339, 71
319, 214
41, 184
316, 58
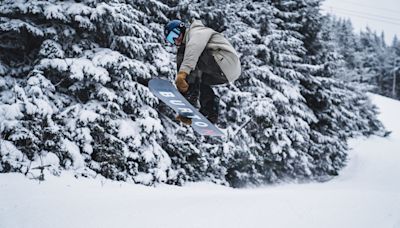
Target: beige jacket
197, 38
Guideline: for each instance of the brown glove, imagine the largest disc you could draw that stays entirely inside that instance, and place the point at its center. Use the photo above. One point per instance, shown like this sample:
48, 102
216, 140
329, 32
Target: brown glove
184, 120
181, 83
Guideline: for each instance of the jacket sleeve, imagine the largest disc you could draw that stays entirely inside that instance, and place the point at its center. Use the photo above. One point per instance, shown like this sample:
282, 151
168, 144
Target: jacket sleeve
197, 42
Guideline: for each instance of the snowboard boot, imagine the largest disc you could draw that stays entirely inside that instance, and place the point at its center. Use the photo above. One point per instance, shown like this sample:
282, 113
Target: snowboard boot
184, 120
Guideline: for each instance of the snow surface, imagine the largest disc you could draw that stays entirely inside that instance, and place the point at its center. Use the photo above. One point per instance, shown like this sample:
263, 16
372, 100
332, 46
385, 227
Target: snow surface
366, 194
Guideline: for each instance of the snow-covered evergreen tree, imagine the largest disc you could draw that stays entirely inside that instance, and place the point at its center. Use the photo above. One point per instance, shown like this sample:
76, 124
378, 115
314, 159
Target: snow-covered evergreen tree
394, 69
367, 59
76, 69
342, 110
73, 93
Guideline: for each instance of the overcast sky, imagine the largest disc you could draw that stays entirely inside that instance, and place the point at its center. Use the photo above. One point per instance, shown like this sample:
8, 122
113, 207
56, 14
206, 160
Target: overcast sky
379, 15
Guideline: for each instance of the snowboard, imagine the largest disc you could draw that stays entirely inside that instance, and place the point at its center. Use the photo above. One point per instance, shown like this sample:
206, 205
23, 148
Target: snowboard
167, 93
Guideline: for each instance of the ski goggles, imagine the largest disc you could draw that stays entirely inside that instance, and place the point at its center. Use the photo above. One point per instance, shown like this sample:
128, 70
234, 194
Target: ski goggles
173, 35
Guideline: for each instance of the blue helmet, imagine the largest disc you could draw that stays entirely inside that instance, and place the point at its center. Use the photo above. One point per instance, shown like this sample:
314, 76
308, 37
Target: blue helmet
173, 29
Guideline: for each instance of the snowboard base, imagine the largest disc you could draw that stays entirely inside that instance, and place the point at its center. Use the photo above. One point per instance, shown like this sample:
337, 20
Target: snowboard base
167, 93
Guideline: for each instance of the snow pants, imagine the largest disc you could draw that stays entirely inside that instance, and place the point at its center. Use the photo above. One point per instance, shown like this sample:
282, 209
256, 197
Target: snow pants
206, 74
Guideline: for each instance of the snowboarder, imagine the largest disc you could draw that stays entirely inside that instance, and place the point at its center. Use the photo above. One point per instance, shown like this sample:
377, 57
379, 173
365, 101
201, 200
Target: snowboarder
204, 58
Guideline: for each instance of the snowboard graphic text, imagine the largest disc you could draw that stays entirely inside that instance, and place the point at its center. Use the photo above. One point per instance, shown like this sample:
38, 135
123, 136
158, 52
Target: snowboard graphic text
166, 92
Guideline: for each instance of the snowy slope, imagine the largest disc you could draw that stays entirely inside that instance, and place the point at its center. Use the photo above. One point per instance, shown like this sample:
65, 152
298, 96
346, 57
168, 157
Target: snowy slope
366, 194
